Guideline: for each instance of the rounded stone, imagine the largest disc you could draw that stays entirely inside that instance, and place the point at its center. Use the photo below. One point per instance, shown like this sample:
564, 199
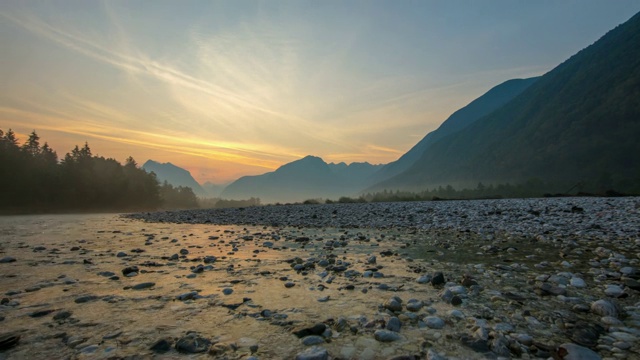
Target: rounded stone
312, 340
386, 336
313, 353
604, 308
434, 322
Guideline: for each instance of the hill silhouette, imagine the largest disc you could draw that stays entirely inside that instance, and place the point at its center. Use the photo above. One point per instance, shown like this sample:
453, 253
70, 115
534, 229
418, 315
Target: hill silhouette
306, 178
579, 123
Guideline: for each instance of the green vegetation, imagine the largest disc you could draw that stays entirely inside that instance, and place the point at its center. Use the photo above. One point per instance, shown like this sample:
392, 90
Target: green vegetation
533, 188
580, 122
34, 181
219, 203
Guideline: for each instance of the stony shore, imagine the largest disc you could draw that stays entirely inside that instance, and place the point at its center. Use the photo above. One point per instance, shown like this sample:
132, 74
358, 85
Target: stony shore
536, 278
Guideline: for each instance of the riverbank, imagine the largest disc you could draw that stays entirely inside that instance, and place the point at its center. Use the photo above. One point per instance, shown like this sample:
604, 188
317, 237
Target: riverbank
452, 280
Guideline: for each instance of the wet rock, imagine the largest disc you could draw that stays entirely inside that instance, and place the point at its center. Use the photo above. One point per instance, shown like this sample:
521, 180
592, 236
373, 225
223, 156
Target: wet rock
394, 304
545, 289
386, 335
570, 351
500, 346
433, 322
313, 353
7, 259
9, 340
227, 291
121, 254
130, 271
614, 291
193, 343
604, 308
477, 345
161, 346
41, 313
577, 283
312, 340
85, 299
632, 284
289, 284
89, 349
317, 329
414, 305
188, 296
144, 285
433, 355
437, 279
585, 334
394, 324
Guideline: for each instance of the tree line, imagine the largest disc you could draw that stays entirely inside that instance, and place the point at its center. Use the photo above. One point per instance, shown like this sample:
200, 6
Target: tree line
34, 180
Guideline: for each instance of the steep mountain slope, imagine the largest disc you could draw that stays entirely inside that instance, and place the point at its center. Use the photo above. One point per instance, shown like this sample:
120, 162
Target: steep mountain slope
174, 175
309, 177
478, 108
580, 122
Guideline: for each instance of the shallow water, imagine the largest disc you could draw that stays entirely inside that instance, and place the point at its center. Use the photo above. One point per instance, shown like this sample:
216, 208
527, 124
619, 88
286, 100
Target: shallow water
60, 258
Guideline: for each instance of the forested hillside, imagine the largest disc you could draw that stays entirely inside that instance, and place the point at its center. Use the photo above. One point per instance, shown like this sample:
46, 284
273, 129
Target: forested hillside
34, 180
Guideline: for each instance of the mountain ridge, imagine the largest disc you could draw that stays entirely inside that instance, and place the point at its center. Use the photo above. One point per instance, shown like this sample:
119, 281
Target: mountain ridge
576, 124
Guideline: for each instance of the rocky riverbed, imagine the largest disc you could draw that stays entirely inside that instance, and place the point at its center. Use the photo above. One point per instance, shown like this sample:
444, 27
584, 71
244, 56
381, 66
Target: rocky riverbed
539, 278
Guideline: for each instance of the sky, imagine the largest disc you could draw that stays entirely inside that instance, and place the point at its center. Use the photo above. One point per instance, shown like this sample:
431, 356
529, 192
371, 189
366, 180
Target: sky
232, 88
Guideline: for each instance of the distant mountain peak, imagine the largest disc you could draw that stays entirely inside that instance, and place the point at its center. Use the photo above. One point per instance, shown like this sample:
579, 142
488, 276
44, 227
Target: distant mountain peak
174, 175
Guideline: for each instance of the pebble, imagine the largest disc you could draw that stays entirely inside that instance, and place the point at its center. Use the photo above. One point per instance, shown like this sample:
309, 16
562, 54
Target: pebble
577, 352
192, 343
313, 353
604, 308
142, 286
577, 283
312, 340
7, 259
386, 335
85, 299
614, 291
394, 324
434, 322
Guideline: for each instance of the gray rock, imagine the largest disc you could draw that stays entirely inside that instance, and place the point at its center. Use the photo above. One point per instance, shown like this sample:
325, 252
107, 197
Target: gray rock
161, 346
433, 322
424, 279
313, 353
192, 344
187, 296
604, 308
386, 336
577, 282
577, 352
85, 298
144, 285
414, 305
614, 291
7, 259
446, 295
433, 355
394, 324
393, 304
227, 291
312, 340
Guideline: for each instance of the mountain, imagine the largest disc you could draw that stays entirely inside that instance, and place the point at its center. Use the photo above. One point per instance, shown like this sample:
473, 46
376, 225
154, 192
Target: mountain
213, 190
306, 178
174, 175
579, 123
478, 108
